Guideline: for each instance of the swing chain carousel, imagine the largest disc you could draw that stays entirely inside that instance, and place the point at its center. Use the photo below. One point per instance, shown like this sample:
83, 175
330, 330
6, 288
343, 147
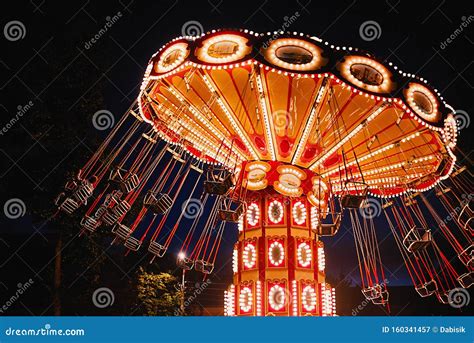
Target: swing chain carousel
282, 139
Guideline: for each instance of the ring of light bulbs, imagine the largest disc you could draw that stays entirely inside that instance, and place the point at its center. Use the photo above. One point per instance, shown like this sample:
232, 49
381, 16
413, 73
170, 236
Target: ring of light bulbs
304, 255
275, 211
277, 297
253, 214
308, 297
245, 299
278, 248
249, 256
299, 213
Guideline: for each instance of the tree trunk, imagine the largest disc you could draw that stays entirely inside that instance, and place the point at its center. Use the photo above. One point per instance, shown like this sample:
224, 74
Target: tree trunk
57, 276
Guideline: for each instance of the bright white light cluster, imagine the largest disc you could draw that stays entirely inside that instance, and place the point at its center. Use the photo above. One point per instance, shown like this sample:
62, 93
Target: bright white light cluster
229, 301
380, 68
235, 261
277, 297
245, 299
314, 217
321, 259
181, 53
266, 120
253, 214
299, 213
304, 254
249, 255
308, 298
276, 248
275, 211
433, 115
240, 42
313, 49
294, 296
259, 297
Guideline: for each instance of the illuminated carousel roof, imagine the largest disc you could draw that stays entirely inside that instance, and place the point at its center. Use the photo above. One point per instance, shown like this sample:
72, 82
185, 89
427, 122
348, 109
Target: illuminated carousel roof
231, 96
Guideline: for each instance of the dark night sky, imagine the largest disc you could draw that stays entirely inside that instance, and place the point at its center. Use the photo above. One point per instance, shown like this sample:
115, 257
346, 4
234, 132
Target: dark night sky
411, 36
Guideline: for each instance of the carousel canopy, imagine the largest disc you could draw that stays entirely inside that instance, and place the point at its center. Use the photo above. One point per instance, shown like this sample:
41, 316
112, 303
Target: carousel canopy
229, 97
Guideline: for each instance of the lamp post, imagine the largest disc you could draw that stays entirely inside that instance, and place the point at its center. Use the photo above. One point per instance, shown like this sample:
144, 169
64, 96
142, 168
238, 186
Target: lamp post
182, 286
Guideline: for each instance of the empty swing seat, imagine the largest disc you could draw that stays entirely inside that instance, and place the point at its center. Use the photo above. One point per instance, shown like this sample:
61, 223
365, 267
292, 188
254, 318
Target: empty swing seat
132, 243
465, 217
427, 289
328, 229
229, 214
356, 197
185, 263
219, 184
381, 299
158, 203
466, 280
90, 223
156, 249
417, 239
66, 204
204, 267
443, 297
372, 292
467, 256
115, 213
83, 192
122, 232
125, 181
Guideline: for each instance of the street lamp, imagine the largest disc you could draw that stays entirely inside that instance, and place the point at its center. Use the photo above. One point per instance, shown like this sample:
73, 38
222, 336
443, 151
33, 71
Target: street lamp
182, 287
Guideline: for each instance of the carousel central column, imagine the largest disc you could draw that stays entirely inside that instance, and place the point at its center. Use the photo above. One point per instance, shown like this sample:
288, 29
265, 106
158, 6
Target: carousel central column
278, 261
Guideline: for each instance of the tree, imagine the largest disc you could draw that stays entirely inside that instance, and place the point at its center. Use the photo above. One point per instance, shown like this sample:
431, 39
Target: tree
156, 293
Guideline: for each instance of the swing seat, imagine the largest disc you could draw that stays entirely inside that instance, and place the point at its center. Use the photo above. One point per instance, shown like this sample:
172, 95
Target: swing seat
427, 289
467, 256
465, 217
68, 205
226, 213
218, 184
381, 299
417, 239
372, 292
443, 297
114, 214
328, 229
71, 185
122, 232
185, 263
204, 267
158, 203
126, 182
156, 249
129, 184
466, 280
132, 243
90, 223
83, 192
356, 197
